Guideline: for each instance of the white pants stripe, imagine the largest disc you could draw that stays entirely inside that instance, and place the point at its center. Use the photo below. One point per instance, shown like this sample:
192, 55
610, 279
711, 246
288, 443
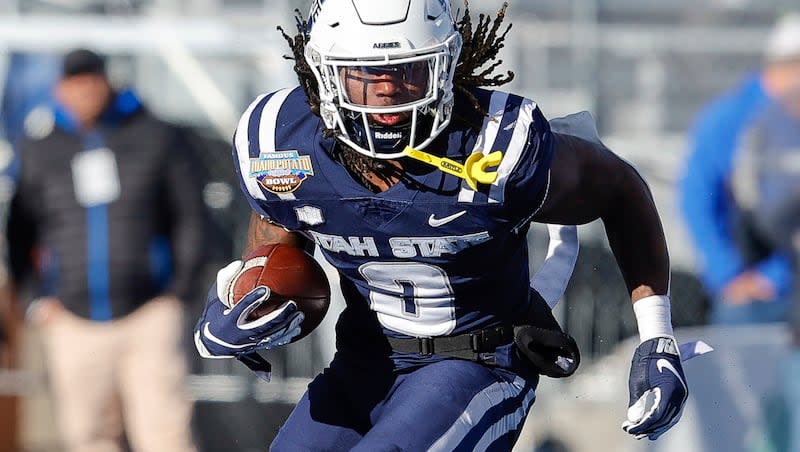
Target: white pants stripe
487, 399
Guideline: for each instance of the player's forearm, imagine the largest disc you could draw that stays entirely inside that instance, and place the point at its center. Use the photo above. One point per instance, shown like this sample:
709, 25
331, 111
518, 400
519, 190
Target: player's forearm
262, 232
636, 237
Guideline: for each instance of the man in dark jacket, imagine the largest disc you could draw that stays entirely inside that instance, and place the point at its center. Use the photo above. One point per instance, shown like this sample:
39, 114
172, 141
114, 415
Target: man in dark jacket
108, 214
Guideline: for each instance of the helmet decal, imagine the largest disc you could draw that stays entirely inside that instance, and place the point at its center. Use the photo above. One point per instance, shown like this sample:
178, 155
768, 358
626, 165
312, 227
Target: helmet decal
314, 13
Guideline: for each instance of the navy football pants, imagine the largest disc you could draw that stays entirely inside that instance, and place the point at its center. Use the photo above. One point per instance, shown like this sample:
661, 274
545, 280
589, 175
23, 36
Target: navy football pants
450, 405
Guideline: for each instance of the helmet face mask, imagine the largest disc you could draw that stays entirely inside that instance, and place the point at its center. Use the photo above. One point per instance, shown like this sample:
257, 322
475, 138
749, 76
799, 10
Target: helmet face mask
384, 71
413, 82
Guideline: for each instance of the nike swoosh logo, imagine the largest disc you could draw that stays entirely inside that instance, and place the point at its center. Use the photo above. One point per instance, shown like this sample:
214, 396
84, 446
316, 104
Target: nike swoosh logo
437, 222
208, 334
662, 364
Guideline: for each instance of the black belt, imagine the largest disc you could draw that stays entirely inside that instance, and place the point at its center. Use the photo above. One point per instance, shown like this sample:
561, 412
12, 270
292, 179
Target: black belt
477, 346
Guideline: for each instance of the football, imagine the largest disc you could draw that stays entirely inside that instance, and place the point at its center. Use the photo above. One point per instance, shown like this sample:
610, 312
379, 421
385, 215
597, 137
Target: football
291, 274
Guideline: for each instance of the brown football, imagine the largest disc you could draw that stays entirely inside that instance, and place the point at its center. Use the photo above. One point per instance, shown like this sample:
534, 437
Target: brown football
291, 274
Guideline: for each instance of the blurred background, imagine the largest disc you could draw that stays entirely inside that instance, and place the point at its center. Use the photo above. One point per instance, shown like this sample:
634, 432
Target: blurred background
645, 69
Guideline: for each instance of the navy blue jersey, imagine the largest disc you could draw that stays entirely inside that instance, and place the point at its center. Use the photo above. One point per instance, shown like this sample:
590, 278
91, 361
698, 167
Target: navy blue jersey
428, 257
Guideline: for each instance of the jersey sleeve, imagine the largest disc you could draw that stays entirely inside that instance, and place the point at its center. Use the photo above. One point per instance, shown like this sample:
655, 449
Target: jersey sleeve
255, 134
525, 170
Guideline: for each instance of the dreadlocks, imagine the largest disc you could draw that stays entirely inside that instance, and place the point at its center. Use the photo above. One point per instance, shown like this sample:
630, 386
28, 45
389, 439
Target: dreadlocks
480, 47
304, 74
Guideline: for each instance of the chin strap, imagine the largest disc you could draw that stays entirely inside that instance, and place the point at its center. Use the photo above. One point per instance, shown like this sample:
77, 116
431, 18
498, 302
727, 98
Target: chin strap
474, 170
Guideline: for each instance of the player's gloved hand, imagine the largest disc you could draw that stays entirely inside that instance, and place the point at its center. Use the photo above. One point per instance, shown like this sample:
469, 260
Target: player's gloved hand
552, 352
658, 389
541, 340
224, 332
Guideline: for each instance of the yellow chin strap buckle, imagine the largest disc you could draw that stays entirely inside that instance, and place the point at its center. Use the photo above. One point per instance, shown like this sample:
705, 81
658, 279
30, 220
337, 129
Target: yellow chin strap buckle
473, 170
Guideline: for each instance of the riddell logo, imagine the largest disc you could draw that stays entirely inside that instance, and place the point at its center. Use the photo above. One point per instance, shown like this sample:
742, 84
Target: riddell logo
388, 135
386, 45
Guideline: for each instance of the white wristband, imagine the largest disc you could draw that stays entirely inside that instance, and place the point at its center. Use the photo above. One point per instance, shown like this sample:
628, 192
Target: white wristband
653, 317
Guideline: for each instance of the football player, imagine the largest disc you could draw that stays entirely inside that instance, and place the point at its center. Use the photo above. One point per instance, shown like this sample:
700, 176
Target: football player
418, 184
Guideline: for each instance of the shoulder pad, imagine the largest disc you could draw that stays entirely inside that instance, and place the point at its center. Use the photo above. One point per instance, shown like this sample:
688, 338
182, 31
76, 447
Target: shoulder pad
581, 125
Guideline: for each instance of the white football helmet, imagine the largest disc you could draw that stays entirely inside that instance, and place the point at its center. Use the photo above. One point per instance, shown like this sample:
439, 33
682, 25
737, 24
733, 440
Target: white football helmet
357, 42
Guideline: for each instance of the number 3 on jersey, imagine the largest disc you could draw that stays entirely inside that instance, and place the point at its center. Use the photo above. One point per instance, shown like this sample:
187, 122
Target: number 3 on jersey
411, 298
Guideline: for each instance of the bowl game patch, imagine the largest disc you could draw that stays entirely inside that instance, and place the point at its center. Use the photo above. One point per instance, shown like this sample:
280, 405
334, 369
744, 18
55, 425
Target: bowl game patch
281, 172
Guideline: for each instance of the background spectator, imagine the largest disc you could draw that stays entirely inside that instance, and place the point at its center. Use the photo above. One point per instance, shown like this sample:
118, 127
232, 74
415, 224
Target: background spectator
108, 214
748, 280
770, 180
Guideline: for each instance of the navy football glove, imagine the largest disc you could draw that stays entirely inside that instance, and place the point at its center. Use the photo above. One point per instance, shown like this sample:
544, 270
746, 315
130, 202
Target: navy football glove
227, 332
658, 389
552, 352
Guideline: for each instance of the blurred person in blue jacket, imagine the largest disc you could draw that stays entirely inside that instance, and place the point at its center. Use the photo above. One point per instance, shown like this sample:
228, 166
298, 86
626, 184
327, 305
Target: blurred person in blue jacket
108, 216
748, 280
770, 171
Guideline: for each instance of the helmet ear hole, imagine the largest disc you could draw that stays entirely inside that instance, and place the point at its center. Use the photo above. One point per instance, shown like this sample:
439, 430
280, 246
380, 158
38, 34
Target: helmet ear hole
376, 40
